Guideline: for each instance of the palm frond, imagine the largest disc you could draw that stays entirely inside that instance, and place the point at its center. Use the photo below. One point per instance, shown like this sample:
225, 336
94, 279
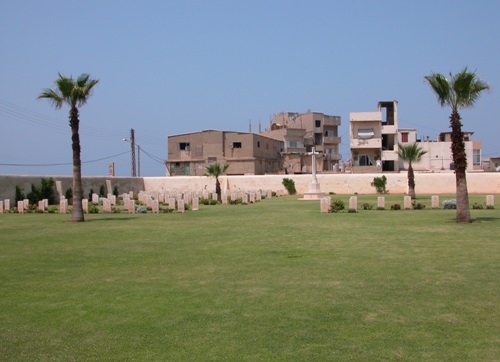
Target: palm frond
441, 87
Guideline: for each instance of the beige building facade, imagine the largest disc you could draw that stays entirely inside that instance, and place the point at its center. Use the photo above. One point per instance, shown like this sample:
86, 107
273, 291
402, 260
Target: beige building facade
246, 153
300, 132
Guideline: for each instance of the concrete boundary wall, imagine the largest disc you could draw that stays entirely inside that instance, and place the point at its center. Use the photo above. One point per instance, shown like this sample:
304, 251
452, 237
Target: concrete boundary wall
341, 183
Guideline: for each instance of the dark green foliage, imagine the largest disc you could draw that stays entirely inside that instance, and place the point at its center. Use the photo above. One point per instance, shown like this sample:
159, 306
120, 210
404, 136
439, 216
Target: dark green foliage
396, 207
102, 191
69, 195
19, 194
380, 184
336, 206
115, 191
290, 186
93, 209
477, 206
367, 206
44, 191
352, 211
91, 192
418, 206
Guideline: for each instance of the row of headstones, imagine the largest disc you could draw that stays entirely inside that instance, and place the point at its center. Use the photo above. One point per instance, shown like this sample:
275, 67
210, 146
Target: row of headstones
151, 199
407, 202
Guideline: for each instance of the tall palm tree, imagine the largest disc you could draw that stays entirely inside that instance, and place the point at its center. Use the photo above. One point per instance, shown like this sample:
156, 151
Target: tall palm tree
216, 170
411, 153
74, 93
462, 90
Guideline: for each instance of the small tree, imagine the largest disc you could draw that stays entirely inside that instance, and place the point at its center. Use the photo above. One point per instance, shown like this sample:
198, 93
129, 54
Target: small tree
216, 170
19, 194
411, 153
380, 184
290, 186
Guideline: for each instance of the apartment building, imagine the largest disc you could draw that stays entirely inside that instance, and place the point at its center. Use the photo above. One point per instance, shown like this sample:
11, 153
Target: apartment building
246, 153
299, 132
374, 139
439, 156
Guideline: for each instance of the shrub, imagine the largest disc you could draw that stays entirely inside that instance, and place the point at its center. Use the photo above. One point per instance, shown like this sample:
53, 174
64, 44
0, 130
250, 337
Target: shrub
102, 191
115, 191
490, 207
380, 208
69, 195
52, 209
477, 206
290, 186
19, 194
352, 211
380, 184
93, 209
418, 206
449, 204
336, 206
367, 206
396, 207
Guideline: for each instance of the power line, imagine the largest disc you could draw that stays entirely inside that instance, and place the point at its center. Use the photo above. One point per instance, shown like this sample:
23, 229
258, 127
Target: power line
58, 164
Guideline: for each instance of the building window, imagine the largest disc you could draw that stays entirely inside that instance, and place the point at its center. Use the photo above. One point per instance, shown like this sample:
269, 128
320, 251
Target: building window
236, 144
292, 144
365, 160
258, 144
476, 157
366, 133
404, 137
184, 146
318, 123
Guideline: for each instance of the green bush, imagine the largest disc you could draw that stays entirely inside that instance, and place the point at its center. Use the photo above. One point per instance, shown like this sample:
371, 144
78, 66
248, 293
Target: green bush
352, 211
477, 206
396, 207
418, 206
380, 184
290, 186
336, 206
19, 194
367, 206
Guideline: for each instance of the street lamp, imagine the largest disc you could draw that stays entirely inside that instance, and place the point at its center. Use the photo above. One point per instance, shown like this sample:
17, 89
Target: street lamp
132, 145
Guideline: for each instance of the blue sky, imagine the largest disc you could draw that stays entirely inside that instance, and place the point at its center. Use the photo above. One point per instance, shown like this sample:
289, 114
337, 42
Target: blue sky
172, 67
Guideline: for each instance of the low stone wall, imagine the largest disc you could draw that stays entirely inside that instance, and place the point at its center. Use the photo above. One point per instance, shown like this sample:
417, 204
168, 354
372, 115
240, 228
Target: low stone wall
341, 183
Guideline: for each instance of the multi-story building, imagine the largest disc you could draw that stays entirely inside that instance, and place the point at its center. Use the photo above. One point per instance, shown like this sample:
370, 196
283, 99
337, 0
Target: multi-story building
299, 133
438, 155
373, 139
246, 153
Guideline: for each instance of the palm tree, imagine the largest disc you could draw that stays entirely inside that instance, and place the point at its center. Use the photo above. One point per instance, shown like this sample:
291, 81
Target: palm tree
216, 170
411, 153
74, 93
460, 91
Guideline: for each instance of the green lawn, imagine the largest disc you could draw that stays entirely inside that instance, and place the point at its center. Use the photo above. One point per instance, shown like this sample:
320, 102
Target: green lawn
272, 281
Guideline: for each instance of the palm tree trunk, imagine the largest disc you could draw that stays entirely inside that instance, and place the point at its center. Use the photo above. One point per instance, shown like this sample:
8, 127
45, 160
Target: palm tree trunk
411, 182
460, 160
77, 214
217, 189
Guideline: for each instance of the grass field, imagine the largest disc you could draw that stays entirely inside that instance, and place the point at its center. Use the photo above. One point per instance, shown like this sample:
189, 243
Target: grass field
272, 281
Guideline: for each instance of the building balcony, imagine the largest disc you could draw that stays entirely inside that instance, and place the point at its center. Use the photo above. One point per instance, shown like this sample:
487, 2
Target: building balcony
332, 140
331, 121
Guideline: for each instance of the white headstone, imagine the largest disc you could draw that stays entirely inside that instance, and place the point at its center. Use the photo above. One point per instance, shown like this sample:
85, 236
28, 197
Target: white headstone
435, 202
20, 207
155, 207
106, 206
131, 207
196, 204
108, 187
1, 207
26, 204
407, 202
252, 197
6, 204
171, 203
63, 206
353, 202
41, 205
325, 204
244, 198
224, 198
85, 205
381, 202
95, 198
180, 206
490, 200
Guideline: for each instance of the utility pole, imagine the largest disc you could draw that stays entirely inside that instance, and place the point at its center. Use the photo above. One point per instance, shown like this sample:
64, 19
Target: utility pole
132, 145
